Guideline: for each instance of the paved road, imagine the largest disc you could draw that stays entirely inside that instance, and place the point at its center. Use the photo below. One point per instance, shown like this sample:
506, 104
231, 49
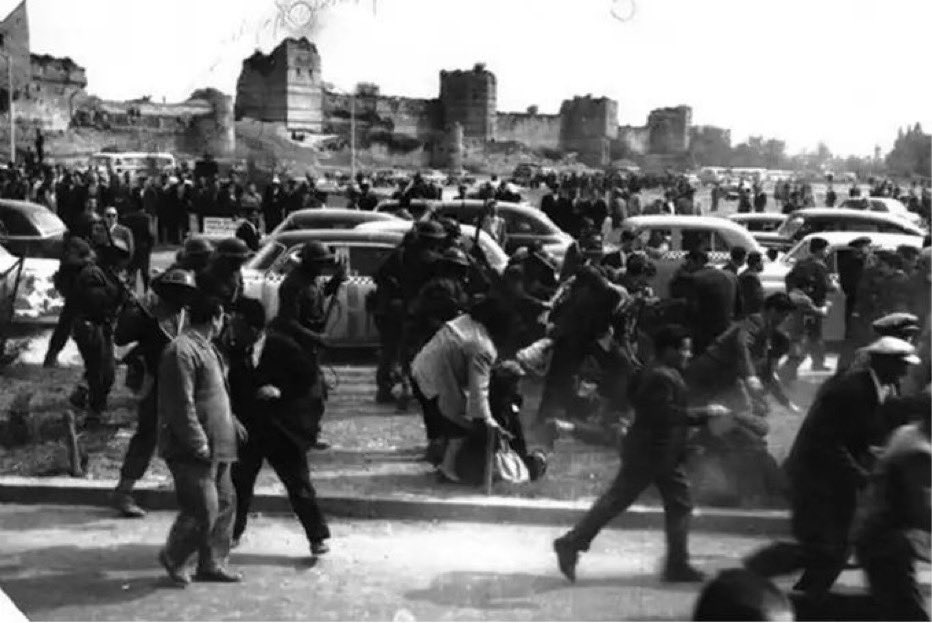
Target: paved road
76, 563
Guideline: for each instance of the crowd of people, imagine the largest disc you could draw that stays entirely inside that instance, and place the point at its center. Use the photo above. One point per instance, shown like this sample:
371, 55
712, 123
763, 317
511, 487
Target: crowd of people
221, 389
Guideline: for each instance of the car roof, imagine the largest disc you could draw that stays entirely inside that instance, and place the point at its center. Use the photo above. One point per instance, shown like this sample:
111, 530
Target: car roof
298, 236
24, 206
757, 216
844, 238
852, 212
327, 213
682, 220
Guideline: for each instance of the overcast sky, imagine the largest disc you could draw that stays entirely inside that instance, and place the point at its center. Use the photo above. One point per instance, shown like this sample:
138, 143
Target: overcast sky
847, 72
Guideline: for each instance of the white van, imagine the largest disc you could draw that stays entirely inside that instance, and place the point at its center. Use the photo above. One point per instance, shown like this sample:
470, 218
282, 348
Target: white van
134, 162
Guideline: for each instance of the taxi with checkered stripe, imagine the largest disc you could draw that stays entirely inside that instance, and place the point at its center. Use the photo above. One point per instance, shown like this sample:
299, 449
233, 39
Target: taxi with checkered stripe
362, 250
667, 238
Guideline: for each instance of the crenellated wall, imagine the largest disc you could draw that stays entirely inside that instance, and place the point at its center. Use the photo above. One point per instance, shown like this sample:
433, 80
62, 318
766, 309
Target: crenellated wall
532, 129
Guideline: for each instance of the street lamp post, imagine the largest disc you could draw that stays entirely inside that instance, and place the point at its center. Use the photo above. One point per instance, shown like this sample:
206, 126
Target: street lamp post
9, 75
353, 136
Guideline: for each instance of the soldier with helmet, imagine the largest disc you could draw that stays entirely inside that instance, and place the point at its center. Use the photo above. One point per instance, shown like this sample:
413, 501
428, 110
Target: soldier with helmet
221, 278
302, 315
194, 255
152, 323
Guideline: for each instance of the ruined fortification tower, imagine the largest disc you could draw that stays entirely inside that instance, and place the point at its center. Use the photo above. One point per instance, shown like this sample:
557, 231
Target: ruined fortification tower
284, 86
669, 130
469, 98
588, 126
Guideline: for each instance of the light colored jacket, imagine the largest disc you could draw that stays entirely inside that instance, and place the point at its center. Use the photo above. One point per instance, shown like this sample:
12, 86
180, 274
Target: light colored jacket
455, 367
195, 417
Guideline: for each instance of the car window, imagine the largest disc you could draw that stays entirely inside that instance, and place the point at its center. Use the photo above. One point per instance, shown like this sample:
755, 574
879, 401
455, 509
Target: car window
893, 228
708, 239
523, 224
464, 215
16, 223
878, 206
790, 226
860, 224
262, 260
366, 261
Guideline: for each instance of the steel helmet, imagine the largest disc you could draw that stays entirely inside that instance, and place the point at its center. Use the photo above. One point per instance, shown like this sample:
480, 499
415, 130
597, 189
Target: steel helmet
175, 285
233, 248
315, 252
197, 246
454, 257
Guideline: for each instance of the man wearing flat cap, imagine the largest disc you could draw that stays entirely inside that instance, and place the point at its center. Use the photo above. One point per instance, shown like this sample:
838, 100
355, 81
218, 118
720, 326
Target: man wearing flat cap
221, 278
828, 466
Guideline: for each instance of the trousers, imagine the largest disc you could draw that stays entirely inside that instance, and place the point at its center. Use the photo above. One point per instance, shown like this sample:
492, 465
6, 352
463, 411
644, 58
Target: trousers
95, 343
62, 331
143, 443
389, 353
206, 507
290, 465
636, 474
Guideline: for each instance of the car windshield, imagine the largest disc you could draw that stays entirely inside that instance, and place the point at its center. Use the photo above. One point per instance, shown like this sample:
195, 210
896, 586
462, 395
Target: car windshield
800, 251
266, 255
790, 226
47, 223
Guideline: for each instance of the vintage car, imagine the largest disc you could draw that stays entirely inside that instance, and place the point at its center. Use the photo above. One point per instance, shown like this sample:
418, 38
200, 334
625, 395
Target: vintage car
667, 239
801, 223
34, 232
773, 277
889, 205
523, 224
362, 250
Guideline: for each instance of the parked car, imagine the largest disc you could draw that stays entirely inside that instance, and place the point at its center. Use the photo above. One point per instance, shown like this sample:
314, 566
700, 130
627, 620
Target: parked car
667, 238
807, 221
773, 277
889, 205
523, 224
362, 249
33, 231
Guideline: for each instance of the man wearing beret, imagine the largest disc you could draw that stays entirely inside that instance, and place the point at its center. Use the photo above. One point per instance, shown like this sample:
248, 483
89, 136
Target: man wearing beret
828, 466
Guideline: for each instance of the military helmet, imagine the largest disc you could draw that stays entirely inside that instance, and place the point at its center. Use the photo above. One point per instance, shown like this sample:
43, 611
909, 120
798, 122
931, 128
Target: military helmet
430, 230
455, 257
175, 285
233, 248
197, 246
315, 252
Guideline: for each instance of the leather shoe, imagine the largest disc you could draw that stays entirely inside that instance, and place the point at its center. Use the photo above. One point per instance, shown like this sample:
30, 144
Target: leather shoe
217, 575
128, 508
682, 573
175, 574
567, 557
319, 548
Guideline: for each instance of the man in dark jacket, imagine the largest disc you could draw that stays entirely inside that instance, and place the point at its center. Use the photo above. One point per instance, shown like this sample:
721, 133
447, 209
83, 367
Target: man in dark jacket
98, 296
301, 313
654, 453
198, 440
714, 302
140, 226
810, 277
152, 323
750, 288
273, 205
272, 379
828, 465
892, 533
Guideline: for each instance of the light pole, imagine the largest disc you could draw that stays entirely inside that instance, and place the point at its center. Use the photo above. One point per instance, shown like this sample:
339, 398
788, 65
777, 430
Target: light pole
9, 75
353, 136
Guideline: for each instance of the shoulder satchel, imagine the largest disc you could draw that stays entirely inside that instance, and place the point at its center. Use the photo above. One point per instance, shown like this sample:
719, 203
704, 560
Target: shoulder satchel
508, 465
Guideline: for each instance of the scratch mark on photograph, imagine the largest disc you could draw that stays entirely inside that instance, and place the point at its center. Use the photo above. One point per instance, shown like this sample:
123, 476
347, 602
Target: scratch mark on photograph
299, 16
623, 10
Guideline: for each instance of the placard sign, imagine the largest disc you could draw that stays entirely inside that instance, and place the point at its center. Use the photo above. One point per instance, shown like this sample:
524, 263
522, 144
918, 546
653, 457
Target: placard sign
218, 226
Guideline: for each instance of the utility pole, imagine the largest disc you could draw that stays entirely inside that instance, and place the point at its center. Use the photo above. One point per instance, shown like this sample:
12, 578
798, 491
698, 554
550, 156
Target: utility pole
9, 75
353, 137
